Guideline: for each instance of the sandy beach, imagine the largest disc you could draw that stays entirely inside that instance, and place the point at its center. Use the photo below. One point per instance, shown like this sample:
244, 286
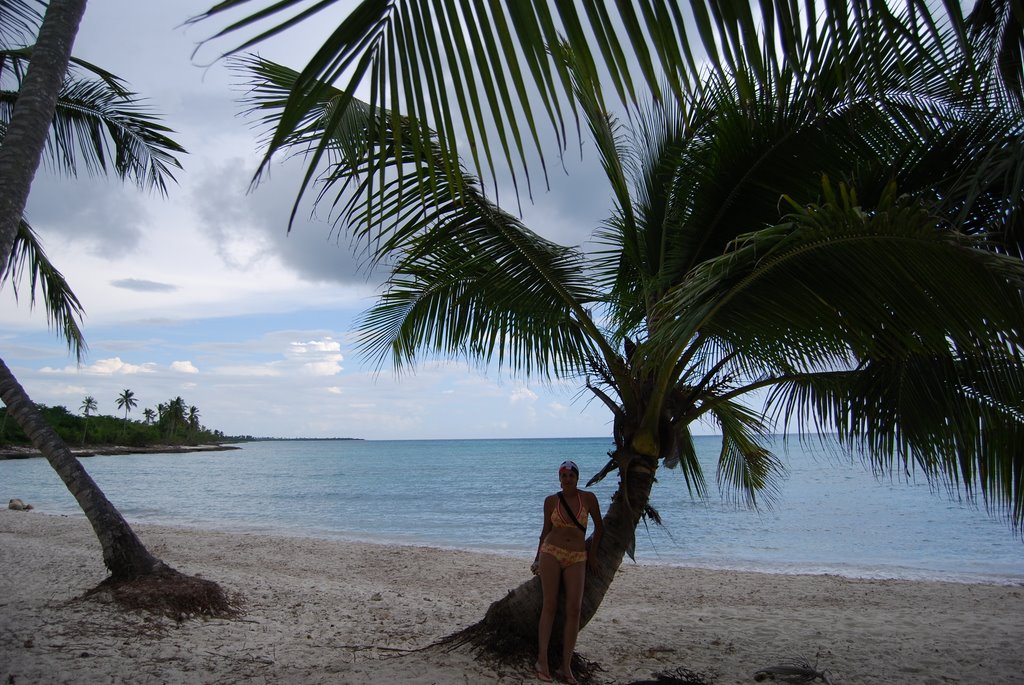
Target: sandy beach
317, 611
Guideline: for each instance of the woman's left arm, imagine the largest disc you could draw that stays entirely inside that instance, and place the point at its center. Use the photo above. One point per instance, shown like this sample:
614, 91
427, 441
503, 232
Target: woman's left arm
594, 509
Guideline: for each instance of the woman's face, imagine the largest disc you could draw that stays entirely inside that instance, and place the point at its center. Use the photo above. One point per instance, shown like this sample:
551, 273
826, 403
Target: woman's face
568, 478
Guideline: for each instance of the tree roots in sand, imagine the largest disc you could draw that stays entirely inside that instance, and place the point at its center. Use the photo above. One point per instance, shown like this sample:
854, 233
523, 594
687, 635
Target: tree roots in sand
169, 593
490, 642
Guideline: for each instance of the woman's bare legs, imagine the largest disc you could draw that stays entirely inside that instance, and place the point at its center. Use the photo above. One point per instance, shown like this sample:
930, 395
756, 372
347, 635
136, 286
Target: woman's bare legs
550, 575
574, 577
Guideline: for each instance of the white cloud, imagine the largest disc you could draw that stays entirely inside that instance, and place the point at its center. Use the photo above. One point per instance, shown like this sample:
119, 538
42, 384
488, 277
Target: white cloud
252, 371
184, 367
104, 367
557, 408
326, 367
319, 357
334, 390
327, 345
523, 394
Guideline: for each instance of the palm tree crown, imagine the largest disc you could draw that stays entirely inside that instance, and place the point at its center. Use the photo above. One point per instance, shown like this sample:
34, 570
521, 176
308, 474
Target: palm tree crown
705, 291
88, 405
126, 400
98, 125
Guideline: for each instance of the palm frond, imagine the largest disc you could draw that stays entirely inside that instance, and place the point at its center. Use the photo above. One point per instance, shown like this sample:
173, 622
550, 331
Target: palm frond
458, 303
467, 278
447, 63
995, 29
938, 416
99, 124
19, 20
683, 456
857, 317
63, 309
745, 464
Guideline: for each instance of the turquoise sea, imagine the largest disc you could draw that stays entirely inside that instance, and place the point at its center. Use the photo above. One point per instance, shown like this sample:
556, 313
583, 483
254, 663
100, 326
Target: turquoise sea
832, 516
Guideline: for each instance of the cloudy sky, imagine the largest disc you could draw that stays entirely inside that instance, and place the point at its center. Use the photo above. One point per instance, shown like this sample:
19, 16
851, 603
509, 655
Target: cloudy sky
204, 294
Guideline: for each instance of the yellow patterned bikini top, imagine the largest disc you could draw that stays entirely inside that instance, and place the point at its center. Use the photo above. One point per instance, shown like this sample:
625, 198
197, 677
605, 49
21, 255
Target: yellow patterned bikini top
561, 518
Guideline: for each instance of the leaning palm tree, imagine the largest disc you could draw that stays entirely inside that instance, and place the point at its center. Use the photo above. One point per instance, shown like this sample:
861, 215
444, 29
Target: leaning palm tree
26, 130
819, 239
34, 124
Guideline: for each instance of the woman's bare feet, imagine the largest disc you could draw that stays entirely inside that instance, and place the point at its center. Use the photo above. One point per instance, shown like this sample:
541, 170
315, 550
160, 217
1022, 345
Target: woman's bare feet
566, 676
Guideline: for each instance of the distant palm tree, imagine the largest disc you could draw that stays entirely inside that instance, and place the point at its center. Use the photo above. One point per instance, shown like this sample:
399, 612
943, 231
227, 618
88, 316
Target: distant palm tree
88, 405
193, 421
173, 416
148, 414
126, 400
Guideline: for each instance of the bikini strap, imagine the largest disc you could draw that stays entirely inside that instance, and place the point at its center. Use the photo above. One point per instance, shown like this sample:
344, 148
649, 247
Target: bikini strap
572, 515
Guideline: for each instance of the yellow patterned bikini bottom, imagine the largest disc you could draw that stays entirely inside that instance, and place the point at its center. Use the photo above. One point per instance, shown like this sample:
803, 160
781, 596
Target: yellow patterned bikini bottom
565, 557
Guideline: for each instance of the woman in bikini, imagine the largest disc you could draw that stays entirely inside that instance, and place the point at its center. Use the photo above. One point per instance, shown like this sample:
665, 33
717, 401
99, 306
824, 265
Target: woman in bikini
562, 558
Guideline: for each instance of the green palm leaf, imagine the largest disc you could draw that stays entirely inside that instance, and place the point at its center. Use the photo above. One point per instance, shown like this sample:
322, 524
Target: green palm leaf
872, 325
63, 309
19, 20
448, 63
99, 124
745, 464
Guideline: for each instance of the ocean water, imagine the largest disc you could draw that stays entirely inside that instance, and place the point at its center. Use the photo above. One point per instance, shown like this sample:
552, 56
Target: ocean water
832, 516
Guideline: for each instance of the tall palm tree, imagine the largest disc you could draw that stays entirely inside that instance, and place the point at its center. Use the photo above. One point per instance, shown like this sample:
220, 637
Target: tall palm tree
821, 237
25, 136
34, 117
148, 414
88, 406
126, 400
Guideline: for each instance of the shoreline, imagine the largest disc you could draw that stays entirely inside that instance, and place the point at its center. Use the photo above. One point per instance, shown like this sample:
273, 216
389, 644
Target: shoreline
841, 571
27, 452
325, 611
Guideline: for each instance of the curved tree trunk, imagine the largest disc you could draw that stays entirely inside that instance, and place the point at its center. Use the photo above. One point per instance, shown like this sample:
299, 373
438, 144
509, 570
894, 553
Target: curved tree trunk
20, 154
123, 553
22, 149
510, 625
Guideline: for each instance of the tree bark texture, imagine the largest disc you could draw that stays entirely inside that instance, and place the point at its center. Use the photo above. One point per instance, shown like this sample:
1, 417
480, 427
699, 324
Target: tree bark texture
123, 553
510, 624
29, 127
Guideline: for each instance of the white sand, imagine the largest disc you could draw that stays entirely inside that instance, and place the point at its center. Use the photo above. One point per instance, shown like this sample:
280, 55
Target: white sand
327, 612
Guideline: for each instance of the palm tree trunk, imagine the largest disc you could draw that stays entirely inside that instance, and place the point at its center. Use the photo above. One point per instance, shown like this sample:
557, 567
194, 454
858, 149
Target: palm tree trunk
123, 553
30, 122
510, 625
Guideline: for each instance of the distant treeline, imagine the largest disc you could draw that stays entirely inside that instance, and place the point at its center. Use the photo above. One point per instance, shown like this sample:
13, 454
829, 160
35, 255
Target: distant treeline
250, 438
171, 426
